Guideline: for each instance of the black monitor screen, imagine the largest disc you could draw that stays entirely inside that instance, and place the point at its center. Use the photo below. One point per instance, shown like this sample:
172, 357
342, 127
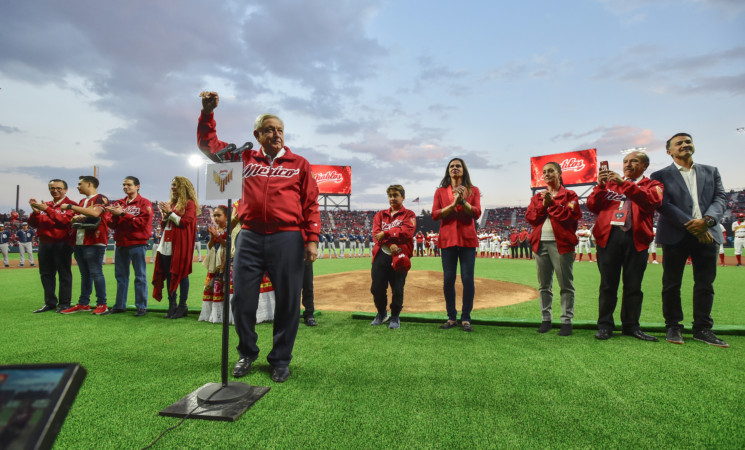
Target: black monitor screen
34, 400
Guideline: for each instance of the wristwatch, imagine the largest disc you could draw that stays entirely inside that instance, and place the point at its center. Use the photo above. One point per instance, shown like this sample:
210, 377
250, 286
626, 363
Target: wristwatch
710, 222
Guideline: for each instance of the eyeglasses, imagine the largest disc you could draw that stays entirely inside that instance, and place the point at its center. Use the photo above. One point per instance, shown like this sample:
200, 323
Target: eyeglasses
56, 189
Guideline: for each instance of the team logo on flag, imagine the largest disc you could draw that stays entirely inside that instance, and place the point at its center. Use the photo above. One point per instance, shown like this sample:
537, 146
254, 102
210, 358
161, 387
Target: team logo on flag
222, 177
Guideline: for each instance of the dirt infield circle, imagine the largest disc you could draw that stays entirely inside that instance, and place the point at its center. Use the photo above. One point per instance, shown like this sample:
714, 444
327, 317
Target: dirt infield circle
350, 291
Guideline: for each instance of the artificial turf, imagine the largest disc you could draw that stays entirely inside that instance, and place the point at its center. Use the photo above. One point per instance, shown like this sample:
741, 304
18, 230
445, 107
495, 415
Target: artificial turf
356, 386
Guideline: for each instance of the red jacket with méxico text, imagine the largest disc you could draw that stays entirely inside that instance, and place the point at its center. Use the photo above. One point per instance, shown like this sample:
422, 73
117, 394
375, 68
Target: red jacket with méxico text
135, 226
99, 235
183, 237
398, 229
645, 197
281, 196
53, 225
458, 228
564, 214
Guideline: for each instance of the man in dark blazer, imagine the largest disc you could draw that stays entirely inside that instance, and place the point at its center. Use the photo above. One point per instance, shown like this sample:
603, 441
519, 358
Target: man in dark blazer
693, 204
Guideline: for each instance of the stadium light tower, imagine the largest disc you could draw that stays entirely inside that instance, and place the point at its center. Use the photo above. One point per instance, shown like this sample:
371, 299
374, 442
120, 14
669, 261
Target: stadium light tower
197, 161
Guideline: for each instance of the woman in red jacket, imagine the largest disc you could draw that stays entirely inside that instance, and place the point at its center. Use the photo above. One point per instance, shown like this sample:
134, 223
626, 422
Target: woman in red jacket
457, 203
553, 243
176, 248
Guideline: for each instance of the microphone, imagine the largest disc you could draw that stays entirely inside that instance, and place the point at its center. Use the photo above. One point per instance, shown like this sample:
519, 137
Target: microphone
231, 151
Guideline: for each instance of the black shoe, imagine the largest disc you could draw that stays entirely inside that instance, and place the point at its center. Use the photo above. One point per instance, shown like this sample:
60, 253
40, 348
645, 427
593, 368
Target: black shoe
639, 334
674, 336
310, 321
171, 311
545, 326
448, 325
61, 308
710, 338
242, 367
114, 311
603, 334
466, 326
140, 312
379, 319
180, 312
45, 308
566, 329
280, 374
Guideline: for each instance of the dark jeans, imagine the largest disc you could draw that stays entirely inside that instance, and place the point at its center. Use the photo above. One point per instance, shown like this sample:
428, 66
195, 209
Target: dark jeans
281, 255
450, 258
122, 258
383, 275
90, 263
704, 260
620, 255
525, 246
308, 303
56, 258
183, 285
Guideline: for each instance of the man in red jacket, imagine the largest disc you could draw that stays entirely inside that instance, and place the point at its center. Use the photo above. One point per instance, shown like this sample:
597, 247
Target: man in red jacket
55, 248
625, 207
91, 235
132, 221
281, 223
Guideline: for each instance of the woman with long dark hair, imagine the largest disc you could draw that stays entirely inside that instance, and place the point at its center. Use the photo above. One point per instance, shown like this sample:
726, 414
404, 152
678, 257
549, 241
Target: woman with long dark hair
457, 204
554, 214
176, 248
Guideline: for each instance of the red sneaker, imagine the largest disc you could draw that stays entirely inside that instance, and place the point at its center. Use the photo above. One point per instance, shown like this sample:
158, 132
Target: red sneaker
100, 309
75, 309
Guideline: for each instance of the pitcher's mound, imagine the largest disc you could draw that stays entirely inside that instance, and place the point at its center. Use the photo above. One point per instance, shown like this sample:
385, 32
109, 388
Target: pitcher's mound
350, 291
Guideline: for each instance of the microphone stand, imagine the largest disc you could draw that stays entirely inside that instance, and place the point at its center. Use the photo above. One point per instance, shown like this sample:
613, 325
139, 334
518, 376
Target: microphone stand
226, 400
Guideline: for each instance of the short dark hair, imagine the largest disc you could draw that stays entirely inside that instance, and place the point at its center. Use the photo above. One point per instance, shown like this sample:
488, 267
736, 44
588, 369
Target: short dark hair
398, 188
135, 180
89, 179
667, 144
64, 183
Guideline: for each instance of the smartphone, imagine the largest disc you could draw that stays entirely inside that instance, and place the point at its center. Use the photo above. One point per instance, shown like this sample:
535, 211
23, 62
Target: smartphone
603, 165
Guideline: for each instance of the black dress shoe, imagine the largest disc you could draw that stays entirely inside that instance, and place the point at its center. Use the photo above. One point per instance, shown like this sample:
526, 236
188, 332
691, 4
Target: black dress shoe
45, 308
61, 308
674, 336
114, 311
310, 321
639, 334
280, 374
603, 334
242, 367
180, 312
140, 312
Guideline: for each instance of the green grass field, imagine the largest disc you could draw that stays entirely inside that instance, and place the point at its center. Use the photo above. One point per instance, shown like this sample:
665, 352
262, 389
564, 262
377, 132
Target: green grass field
356, 386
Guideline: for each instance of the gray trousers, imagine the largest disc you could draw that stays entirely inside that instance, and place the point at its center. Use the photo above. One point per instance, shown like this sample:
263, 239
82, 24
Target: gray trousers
547, 261
4, 250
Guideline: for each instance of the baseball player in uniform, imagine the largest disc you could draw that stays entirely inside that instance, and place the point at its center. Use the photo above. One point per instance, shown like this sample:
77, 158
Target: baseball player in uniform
584, 243
494, 243
505, 249
653, 246
738, 228
4, 243
26, 243
352, 244
321, 244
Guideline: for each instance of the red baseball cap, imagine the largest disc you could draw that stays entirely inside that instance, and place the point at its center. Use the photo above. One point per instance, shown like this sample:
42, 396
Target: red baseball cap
740, 216
401, 263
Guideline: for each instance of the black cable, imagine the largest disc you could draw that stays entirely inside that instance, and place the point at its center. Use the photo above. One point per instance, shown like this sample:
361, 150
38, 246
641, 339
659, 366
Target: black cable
178, 424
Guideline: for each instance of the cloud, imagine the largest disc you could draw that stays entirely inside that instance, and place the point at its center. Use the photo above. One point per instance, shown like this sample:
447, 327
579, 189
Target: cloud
9, 130
536, 67
609, 141
652, 68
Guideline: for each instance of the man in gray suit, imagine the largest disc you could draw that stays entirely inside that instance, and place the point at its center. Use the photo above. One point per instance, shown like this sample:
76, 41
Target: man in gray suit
693, 204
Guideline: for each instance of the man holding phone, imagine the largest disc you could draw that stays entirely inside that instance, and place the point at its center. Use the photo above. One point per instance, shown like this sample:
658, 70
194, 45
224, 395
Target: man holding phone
625, 207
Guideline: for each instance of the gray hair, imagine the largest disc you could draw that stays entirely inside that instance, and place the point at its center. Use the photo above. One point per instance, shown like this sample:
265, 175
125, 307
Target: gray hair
260, 120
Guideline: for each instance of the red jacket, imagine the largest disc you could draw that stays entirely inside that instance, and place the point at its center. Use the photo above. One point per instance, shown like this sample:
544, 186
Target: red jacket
645, 197
278, 197
53, 225
398, 229
457, 229
564, 214
100, 235
135, 226
183, 237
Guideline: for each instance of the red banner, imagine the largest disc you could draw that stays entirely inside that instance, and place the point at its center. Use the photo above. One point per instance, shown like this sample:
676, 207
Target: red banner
333, 179
579, 167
